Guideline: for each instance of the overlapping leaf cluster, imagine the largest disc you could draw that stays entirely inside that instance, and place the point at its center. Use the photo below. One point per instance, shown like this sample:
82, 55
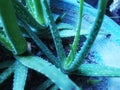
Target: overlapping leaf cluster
36, 22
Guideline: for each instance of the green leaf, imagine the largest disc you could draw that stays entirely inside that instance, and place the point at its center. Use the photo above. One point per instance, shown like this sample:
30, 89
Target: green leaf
37, 10
23, 15
5, 42
74, 46
6, 64
49, 70
11, 28
6, 73
64, 26
80, 56
46, 84
42, 46
55, 33
59, 19
72, 33
20, 75
97, 70
30, 6
54, 87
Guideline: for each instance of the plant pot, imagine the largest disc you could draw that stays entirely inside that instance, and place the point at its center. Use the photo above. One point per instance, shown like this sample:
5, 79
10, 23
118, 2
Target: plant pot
106, 45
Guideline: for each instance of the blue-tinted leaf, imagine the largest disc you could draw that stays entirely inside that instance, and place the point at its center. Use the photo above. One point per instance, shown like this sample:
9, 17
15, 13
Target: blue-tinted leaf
6, 73
20, 75
98, 70
50, 71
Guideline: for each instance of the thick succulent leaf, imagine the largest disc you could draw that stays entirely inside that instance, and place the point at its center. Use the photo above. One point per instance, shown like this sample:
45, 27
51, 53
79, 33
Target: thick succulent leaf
80, 56
106, 48
6, 64
5, 42
10, 25
36, 8
20, 75
6, 73
75, 43
54, 87
41, 45
71, 33
59, 19
49, 70
55, 33
98, 70
23, 14
64, 26
30, 6
46, 84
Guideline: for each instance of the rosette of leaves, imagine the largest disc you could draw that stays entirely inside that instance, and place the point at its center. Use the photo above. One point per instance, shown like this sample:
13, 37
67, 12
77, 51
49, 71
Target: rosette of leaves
57, 69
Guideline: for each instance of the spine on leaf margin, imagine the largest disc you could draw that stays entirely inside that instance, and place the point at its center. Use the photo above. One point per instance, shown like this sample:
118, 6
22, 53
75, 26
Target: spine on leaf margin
80, 56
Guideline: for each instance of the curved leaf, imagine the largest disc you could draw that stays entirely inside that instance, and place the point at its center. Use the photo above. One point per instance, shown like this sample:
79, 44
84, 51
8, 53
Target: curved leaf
80, 56
6, 73
49, 70
36, 9
98, 70
45, 85
20, 75
74, 46
11, 29
55, 33
5, 42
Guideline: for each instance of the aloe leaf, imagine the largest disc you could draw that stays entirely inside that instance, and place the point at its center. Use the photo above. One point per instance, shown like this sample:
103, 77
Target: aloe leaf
64, 26
45, 85
42, 66
36, 8
60, 18
98, 70
55, 33
20, 75
11, 28
6, 64
30, 6
77, 36
5, 42
23, 15
72, 33
80, 56
6, 73
42, 46
54, 87
76, 39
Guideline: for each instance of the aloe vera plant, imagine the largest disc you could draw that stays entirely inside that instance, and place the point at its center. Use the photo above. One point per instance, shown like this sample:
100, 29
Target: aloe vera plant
57, 69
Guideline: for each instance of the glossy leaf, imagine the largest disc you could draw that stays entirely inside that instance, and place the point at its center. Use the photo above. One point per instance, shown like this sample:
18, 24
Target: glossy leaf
74, 46
20, 75
6, 64
23, 15
55, 33
49, 70
42, 46
37, 10
98, 70
80, 56
46, 84
10, 26
5, 42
